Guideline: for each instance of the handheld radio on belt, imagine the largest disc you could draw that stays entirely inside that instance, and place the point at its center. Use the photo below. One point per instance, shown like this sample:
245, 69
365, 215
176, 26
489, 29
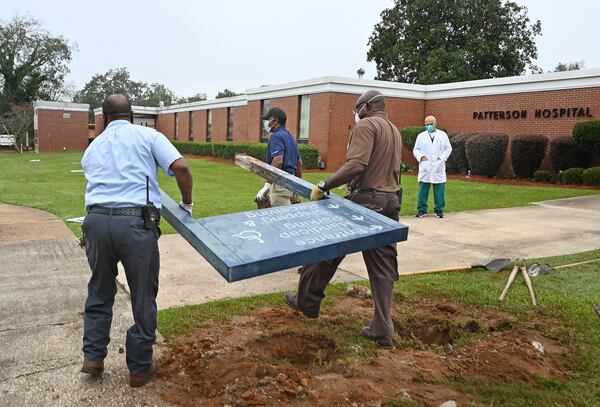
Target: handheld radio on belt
150, 213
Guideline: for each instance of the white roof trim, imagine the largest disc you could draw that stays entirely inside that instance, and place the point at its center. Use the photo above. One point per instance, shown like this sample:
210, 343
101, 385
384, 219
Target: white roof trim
337, 84
587, 78
73, 107
233, 101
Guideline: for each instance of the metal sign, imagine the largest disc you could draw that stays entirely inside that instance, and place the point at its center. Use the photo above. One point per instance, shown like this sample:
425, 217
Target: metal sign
253, 243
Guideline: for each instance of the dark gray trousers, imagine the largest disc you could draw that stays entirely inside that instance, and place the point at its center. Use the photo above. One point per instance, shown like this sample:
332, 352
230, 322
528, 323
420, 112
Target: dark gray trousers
382, 267
110, 239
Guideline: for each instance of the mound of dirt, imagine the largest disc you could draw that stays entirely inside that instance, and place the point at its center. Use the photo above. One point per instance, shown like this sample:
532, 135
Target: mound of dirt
277, 357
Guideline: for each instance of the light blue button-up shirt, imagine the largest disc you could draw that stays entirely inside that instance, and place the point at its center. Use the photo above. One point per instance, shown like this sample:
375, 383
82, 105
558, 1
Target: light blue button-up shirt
119, 159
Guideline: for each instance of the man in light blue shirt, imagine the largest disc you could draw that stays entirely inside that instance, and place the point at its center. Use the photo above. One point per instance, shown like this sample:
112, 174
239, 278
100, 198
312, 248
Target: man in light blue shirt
120, 168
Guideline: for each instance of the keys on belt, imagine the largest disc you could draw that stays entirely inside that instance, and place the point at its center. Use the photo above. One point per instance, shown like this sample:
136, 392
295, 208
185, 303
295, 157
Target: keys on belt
131, 211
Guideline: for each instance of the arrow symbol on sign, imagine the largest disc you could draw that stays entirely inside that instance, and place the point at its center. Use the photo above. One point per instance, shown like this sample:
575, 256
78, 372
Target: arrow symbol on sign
332, 206
376, 227
356, 217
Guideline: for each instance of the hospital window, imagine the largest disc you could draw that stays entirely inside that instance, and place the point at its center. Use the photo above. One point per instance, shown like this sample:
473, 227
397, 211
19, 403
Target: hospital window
191, 135
230, 124
176, 126
209, 126
304, 122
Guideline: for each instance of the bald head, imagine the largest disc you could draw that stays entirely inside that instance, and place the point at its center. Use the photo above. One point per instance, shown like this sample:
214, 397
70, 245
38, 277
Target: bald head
430, 120
116, 107
370, 101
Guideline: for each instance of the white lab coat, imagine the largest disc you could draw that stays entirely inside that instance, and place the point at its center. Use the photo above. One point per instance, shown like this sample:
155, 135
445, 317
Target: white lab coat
437, 152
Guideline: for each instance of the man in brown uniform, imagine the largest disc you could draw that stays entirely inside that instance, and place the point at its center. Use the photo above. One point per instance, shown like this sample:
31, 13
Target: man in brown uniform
372, 172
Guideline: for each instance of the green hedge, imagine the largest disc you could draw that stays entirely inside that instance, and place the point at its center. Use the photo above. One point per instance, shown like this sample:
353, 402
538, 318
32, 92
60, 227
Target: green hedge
571, 176
587, 135
527, 152
409, 135
566, 153
485, 153
457, 161
542, 176
227, 151
591, 176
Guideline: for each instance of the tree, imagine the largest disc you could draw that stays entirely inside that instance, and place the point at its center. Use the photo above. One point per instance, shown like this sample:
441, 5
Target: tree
226, 93
153, 94
119, 81
189, 99
18, 121
571, 66
102, 85
437, 41
33, 62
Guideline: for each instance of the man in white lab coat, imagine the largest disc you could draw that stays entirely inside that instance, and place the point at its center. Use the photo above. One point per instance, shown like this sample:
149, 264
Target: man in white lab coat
432, 149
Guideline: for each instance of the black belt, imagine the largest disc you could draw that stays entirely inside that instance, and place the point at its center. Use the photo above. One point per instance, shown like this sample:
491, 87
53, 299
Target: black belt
372, 191
131, 211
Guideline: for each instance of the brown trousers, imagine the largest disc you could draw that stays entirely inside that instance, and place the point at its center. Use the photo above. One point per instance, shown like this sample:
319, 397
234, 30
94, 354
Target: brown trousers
382, 267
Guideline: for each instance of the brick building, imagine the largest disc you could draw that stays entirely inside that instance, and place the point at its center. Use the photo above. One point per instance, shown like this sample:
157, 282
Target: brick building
59, 126
320, 110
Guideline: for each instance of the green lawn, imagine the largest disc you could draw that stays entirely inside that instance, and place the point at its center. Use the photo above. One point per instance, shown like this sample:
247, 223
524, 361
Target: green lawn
221, 188
565, 296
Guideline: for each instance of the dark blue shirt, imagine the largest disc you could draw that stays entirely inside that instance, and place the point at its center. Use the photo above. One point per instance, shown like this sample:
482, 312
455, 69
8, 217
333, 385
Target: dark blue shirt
283, 143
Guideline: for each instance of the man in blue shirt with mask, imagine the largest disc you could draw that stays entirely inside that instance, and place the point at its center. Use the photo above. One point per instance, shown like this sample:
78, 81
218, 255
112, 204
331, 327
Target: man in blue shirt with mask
120, 168
283, 153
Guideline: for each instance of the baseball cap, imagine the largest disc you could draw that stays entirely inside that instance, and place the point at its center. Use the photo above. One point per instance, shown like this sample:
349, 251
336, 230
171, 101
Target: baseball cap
275, 113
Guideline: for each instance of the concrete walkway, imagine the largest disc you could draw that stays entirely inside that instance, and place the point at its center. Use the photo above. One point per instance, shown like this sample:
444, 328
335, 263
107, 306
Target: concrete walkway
546, 229
43, 278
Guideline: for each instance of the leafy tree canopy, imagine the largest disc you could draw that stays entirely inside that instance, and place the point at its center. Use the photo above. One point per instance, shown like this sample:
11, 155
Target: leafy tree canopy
571, 66
438, 41
33, 62
226, 93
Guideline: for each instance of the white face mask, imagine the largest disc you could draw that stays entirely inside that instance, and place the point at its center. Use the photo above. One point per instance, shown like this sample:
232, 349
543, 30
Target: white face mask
356, 118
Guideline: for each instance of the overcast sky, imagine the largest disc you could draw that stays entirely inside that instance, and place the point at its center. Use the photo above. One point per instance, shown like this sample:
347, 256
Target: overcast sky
202, 46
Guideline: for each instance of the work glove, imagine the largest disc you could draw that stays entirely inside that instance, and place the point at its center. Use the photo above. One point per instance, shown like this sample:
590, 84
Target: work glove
317, 194
263, 192
187, 207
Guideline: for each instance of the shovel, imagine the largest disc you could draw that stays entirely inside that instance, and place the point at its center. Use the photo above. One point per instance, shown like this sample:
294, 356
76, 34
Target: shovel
494, 266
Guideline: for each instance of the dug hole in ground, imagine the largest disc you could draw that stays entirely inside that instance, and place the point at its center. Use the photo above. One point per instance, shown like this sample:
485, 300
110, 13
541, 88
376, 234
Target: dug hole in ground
277, 357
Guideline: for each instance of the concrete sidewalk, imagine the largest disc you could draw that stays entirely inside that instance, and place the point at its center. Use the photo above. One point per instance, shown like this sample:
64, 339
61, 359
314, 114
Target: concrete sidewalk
546, 229
43, 280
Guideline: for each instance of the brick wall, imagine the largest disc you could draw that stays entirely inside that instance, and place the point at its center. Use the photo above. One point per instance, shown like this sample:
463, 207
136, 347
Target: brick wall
318, 128
165, 123
183, 126
219, 125
457, 114
240, 124
402, 112
254, 122
199, 125
56, 132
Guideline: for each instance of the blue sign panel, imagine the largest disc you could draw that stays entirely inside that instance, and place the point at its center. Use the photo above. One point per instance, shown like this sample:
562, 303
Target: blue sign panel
249, 244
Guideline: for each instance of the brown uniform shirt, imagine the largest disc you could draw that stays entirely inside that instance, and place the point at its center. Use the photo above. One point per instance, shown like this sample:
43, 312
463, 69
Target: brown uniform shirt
376, 143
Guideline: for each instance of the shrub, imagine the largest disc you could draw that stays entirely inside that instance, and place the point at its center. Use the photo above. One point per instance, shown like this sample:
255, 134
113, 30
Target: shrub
565, 153
485, 153
591, 176
451, 166
587, 135
571, 176
527, 154
409, 135
542, 176
227, 151
459, 158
